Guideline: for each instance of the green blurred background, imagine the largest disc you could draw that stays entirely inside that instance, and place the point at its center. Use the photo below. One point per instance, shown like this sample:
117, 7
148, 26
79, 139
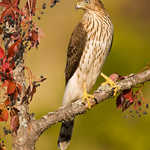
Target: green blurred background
104, 127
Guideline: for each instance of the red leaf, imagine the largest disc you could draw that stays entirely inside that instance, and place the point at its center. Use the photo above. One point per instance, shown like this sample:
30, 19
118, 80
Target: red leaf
4, 3
5, 84
33, 6
13, 49
128, 94
3, 113
1, 53
34, 38
1, 30
125, 99
11, 8
6, 12
7, 102
11, 87
16, 2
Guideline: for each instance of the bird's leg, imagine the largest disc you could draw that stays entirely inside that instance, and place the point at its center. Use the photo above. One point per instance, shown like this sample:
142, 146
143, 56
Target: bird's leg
86, 96
111, 83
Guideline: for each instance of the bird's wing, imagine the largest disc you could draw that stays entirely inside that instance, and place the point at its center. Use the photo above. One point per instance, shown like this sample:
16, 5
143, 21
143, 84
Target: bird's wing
75, 50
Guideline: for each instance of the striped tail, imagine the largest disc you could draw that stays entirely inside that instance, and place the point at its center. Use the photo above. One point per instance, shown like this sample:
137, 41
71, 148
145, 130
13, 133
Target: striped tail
65, 134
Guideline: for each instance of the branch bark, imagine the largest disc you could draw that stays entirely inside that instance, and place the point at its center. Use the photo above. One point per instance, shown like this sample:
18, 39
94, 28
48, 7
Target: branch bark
77, 108
31, 129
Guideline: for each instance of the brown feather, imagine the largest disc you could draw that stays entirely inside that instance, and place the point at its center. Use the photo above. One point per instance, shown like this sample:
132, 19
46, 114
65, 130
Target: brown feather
75, 50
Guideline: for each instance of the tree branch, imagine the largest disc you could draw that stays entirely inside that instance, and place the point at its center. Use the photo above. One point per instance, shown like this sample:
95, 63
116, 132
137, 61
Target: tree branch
77, 108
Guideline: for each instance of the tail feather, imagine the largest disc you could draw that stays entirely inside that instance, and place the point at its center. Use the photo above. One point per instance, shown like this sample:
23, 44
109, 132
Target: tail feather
65, 134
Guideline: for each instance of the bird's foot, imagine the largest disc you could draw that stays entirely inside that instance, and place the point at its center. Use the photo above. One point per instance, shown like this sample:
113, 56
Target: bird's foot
111, 83
86, 98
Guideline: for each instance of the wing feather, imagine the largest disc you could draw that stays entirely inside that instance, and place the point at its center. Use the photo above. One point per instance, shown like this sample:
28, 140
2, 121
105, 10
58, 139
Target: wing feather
75, 50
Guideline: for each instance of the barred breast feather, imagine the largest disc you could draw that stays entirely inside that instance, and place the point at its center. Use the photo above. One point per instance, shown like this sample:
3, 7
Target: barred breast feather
88, 48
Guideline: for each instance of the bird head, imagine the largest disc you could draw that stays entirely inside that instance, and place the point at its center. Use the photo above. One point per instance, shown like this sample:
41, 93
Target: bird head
89, 4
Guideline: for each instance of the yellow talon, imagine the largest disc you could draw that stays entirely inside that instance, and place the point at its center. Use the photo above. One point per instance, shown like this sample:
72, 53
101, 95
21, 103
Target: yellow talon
111, 83
87, 97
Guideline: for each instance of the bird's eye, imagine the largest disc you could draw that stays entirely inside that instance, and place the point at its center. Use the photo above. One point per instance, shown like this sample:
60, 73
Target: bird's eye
87, 1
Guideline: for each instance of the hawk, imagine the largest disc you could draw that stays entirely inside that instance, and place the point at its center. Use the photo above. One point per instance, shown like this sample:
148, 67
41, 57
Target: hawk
88, 48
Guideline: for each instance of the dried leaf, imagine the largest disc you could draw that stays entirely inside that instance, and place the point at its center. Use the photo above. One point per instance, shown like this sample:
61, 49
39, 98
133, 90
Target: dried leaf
33, 9
13, 49
3, 113
1, 53
125, 99
11, 8
11, 87
7, 102
34, 38
5, 84
128, 94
